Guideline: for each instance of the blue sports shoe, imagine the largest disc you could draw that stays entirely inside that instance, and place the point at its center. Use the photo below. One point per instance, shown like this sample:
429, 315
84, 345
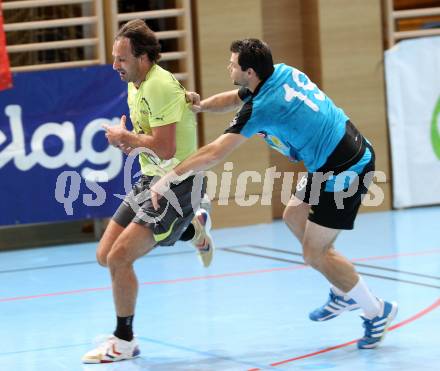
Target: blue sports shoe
376, 328
334, 306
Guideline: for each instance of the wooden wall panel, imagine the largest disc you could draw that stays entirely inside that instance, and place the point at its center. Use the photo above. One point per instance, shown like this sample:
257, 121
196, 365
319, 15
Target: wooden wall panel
218, 24
352, 69
311, 40
283, 31
234, 215
414, 4
338, 43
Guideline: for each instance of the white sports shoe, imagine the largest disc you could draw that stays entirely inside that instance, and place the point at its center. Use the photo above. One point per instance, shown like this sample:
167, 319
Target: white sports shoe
202, 239
112, 350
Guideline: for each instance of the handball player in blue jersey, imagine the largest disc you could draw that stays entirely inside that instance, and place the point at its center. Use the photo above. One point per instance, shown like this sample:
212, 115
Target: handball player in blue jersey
281, 104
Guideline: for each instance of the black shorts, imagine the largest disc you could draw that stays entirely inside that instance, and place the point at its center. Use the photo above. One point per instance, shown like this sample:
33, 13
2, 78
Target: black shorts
176, 208
337, 210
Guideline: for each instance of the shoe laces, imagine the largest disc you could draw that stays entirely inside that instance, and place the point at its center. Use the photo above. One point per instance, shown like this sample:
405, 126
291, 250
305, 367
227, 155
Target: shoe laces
332, 297
368, 325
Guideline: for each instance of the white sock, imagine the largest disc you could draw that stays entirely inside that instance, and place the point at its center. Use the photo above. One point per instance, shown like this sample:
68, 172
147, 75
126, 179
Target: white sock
366, 300
338, 291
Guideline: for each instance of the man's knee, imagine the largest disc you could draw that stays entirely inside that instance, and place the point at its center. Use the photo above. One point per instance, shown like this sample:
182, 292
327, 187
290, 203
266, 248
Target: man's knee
118, 256
101, 257
315, 256
102, 252
293, 218
287, 215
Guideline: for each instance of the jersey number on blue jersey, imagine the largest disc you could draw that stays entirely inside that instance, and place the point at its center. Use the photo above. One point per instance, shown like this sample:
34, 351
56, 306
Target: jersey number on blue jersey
300, 91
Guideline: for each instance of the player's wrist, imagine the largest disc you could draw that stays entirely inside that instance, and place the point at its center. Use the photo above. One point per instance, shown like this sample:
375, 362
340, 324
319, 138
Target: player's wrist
203, 107
129, 139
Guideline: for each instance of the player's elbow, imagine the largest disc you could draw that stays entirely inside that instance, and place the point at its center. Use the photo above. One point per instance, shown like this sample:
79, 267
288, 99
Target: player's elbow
168, 153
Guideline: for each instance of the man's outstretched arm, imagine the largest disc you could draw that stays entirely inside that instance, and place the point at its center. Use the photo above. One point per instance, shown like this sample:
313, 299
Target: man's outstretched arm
204, 159
223, 102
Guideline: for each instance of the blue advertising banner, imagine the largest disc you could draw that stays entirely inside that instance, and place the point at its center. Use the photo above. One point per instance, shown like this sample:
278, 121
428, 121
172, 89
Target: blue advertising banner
55, 162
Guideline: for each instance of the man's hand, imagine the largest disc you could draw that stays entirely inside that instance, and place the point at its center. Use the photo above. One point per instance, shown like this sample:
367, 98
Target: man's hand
161, 187
115, 134
125, 149
193, 98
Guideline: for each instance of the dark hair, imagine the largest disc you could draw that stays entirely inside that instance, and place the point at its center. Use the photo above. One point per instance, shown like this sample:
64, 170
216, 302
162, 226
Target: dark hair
255, 54
142, 39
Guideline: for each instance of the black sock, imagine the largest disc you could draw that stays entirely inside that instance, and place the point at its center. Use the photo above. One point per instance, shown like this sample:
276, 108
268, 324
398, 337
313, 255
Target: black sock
124, 329
188, 234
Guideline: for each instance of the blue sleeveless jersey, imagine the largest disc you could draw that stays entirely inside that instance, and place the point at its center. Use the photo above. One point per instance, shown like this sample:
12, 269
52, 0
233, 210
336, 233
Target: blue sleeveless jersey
293, 116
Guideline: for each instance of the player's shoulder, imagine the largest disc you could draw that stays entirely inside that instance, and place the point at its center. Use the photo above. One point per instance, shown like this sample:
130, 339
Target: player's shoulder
280, 75
281, 68
158, 77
